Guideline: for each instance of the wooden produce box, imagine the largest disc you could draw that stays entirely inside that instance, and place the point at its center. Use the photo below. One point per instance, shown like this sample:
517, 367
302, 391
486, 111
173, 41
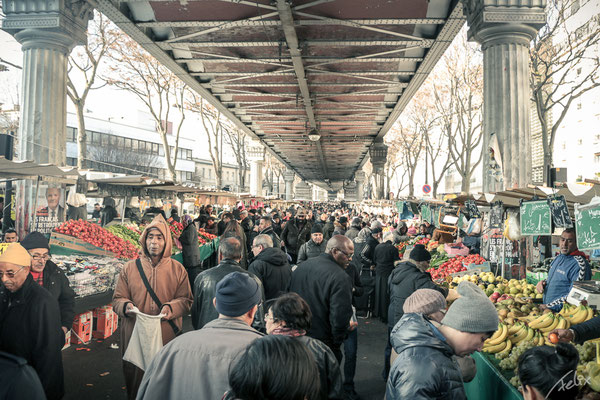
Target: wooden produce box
67, 245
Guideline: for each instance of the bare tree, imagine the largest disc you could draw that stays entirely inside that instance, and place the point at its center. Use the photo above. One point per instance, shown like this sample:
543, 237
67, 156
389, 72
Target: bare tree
84, 63
237, 140
409, 144
215, 132
458, 101
564, 66
159, 89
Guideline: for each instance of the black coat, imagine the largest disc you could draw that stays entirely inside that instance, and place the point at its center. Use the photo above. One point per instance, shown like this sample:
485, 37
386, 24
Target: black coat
329, 369
205, 285
295, 238
274, 271
18, 380
385, 255
30, 328
405, 279
56, 282
107, 215
190, 250
310, 249
327, 289
364, 252
357, 287
424, 368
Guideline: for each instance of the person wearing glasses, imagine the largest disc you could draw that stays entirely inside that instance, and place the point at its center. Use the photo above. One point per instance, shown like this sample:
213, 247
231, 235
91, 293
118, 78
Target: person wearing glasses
30, 321
47, 274
322, 282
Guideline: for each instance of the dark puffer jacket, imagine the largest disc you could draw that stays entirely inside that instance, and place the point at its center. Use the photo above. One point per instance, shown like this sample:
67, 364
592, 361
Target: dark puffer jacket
274, 271
424, 368
405, 279
310, 249
329, 369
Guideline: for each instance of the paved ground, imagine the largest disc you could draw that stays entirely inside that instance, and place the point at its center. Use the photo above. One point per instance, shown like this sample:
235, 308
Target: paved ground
84, 369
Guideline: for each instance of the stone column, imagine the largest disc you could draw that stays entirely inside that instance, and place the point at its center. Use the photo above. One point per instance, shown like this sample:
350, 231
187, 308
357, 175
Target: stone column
47, 30
359, 177
378, 154
256, 158
288, 177
505, 34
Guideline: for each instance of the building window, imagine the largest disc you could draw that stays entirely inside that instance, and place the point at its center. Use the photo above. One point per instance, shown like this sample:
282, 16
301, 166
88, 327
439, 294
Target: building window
188, 176
127, 143
71, 134
104, 139
161, 151
597, 158
154, 148
71, 161
189, 155
120, 141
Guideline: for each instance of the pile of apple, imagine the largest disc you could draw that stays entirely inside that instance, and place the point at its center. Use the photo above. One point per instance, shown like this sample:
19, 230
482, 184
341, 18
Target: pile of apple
99, 237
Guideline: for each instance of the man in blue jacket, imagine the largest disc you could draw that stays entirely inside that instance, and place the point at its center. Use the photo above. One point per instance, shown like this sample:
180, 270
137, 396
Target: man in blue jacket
570, 266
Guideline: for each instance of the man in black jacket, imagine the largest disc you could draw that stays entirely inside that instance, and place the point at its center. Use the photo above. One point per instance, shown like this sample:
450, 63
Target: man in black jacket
30, 321
225, 218
315, 246
50, 277
351, 342
18, 380
323, 284
270, 265
203, 309
295, 233
385, 256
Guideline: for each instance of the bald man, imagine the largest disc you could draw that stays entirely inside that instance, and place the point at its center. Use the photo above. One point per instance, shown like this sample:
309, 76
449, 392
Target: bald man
327, 289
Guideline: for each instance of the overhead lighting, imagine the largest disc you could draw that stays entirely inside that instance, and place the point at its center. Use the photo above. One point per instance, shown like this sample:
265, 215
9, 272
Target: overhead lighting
314, 136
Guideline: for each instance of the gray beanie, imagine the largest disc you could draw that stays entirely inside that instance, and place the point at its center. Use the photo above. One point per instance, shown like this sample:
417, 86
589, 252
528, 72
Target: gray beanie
472, 312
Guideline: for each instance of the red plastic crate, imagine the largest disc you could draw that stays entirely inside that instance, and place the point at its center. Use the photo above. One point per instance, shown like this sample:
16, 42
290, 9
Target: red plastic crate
115, 322
82, 328
103, 322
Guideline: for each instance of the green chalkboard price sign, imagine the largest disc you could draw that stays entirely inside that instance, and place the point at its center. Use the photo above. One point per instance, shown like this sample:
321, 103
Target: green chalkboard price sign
536, 218
426, 213
400, 207
587, 222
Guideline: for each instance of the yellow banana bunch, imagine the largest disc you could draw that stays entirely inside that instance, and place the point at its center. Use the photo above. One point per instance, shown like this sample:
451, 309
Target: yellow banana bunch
562, 323
498, 337
566, 310
516, 327
578, 315
497, 348
590, 314
520, 335
543, 321
540, 339
552, 326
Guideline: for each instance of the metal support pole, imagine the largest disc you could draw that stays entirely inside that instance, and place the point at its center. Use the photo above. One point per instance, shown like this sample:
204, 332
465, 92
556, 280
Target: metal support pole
503, 254
33, 214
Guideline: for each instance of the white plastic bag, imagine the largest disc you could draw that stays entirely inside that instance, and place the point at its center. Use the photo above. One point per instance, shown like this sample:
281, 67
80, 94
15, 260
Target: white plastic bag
146, 339
512, 227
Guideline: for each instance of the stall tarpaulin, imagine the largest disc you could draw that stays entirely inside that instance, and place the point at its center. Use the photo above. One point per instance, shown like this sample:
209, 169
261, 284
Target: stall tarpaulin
205, 251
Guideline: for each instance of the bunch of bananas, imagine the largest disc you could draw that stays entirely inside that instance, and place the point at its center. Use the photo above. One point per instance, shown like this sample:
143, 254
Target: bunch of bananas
576, 315
499, 342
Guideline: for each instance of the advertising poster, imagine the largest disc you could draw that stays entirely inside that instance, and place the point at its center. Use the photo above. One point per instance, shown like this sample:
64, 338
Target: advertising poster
51, 209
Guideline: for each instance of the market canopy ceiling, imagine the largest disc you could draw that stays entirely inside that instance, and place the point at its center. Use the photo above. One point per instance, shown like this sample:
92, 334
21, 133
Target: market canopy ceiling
281, 70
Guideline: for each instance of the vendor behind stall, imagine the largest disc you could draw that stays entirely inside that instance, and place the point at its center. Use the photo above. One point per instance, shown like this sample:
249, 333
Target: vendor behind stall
568, 267
50, 277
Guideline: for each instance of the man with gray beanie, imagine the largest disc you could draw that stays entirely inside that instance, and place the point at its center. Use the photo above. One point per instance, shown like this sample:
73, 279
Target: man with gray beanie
196, 364
424, 368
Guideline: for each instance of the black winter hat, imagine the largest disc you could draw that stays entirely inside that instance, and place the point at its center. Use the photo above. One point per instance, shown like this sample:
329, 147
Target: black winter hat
332, 218
317, 228
35, 240
343, 220
420, 253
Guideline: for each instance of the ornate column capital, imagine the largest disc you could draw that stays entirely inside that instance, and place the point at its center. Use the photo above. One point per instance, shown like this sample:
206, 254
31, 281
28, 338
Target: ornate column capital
289, 175
515, 21
68, 18
359, 176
